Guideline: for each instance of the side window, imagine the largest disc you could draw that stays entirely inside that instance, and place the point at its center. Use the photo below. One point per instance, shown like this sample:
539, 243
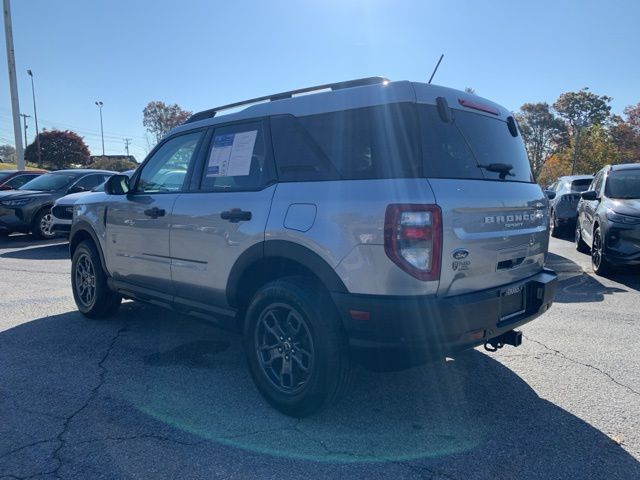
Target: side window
166, 170
597, 182
239, 159
90, 181
19, 180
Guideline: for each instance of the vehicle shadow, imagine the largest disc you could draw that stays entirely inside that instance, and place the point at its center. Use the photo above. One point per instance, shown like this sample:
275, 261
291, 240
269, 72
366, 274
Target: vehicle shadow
164, 387
576, 286
48, 251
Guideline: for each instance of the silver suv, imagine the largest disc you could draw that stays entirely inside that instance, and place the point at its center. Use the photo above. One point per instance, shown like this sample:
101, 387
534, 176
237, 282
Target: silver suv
382, 222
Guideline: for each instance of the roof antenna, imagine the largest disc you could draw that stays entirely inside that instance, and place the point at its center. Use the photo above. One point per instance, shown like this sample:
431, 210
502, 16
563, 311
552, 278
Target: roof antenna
436, 69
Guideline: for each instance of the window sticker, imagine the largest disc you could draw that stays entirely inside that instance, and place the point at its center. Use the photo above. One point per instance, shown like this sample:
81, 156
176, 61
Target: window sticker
231, 154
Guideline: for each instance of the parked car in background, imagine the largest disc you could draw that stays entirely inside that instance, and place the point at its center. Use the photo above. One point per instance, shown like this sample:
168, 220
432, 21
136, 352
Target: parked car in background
391, 222
62, 211
563, 207
609, 218
13, 179
28, 209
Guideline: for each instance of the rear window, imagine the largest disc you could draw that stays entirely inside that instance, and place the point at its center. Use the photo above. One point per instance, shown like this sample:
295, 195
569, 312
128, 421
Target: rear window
365, 143
457, 149
581, 185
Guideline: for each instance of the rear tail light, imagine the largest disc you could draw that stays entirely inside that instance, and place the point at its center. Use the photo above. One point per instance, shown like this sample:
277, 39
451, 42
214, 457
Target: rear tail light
413, 239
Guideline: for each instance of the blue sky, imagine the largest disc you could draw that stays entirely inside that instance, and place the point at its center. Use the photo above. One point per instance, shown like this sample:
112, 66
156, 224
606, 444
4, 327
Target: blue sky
201, 54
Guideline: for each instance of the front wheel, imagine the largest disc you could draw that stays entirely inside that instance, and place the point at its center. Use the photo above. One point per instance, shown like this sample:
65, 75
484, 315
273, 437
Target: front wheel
295, 346
91, 293
599, 260
42, 225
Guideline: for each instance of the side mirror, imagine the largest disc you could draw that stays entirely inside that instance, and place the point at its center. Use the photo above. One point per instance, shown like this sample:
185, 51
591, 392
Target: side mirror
589, 195
76, 189
117, 185
550, 194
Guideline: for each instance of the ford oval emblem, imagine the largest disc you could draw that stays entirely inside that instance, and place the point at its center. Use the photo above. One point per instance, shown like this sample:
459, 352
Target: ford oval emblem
460, 254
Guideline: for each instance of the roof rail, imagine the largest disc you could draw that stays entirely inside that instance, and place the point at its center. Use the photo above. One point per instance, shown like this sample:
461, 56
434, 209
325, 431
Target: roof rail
279, 96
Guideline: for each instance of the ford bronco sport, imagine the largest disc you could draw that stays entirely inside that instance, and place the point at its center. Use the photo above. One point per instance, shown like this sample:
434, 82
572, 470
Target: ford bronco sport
370, 219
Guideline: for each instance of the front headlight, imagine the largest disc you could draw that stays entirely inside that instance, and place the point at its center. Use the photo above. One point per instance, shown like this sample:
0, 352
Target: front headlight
619, 218
21, 202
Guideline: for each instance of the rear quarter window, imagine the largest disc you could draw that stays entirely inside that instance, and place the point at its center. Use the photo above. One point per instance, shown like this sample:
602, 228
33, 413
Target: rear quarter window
365, 143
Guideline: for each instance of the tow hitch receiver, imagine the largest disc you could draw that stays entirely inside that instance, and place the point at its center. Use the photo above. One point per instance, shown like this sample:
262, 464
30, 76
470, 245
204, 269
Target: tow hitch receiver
512, 337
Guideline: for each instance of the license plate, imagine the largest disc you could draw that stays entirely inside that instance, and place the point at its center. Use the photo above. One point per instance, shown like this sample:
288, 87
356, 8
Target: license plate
511, 302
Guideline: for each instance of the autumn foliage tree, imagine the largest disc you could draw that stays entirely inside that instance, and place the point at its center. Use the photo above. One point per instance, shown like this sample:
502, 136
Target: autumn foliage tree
159, 118
59, 149
542, 133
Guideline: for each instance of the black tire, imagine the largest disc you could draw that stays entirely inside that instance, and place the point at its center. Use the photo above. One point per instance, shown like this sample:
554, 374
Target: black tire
91, 293
599, 262
581, 246
286, 318
41, 228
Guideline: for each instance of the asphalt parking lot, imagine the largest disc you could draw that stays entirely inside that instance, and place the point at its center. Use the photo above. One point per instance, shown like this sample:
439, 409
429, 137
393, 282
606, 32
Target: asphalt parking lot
151, 394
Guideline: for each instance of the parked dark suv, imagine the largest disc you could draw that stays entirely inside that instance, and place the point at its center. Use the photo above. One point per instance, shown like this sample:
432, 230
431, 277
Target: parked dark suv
609, 218
28, 209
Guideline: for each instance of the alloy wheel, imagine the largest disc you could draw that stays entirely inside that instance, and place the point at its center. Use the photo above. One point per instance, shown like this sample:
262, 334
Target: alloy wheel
85, 280
46, 222
284, 346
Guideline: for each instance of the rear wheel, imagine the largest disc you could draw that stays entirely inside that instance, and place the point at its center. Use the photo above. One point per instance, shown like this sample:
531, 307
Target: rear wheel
599, 261
42, 225
581, 246
295, 346
91, 293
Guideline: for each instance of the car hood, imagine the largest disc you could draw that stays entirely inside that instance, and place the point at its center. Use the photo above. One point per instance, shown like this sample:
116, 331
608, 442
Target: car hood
18, 194
71, 198
626, 206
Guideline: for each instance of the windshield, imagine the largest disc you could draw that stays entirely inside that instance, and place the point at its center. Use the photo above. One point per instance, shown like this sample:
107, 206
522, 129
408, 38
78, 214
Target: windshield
623, 184
581, 185
458, 149
49, 182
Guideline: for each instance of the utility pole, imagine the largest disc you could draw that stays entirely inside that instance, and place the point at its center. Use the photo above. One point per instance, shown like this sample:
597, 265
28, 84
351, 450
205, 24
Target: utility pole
575, 148
24, 118
13, 84
35, 114
100, 104
127, 141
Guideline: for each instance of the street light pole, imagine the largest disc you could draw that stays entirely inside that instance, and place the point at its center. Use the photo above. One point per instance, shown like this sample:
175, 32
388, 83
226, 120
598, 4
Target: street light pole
579, 125
13, 83
35, 114
24, 118
100, 104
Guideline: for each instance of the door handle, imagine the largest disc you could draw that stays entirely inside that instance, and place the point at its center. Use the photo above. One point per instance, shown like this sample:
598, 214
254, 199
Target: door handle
235, 215
155, 212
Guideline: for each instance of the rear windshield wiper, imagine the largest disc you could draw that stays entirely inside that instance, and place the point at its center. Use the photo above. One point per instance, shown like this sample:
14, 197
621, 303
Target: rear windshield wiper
504, 169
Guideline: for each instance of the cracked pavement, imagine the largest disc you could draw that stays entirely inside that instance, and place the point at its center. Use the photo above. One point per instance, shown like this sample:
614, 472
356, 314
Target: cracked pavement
153, 394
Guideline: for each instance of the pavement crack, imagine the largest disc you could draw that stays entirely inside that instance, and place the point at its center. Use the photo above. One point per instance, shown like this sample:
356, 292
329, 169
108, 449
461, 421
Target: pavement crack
24, 447
60, 438
588, 365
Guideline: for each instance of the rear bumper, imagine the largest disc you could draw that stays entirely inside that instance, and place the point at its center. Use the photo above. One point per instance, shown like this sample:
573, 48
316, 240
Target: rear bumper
430, 326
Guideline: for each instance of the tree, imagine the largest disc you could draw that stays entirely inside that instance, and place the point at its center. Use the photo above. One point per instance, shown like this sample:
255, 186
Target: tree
7, 153
542, 133
159, 118
583, 108
117, 164
59, 149
633, 117
470, 90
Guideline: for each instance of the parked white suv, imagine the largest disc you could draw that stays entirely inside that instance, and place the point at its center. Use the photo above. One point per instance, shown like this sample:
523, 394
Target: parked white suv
384, 222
